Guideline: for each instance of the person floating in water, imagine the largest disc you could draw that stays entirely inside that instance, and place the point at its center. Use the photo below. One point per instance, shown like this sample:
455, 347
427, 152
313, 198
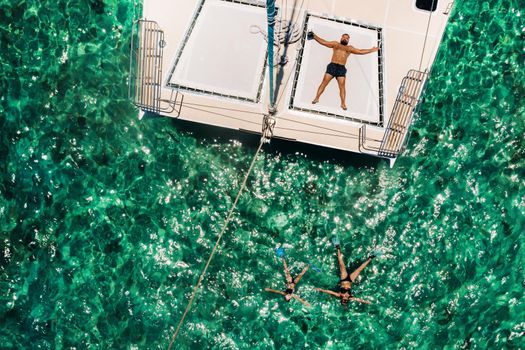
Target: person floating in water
291, 284
336, 69
346, 280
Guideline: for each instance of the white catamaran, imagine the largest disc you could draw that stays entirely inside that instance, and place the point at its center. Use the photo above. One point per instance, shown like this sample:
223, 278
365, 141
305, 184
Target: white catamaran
213, 62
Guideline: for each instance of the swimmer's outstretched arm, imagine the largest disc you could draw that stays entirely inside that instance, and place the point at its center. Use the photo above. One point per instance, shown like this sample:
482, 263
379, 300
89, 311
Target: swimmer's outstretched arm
338, 295
299, 276
274, 291
307, 304
362, 301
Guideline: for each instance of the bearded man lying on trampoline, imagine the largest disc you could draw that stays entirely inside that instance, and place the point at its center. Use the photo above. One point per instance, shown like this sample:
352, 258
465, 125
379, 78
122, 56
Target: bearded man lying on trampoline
337, 67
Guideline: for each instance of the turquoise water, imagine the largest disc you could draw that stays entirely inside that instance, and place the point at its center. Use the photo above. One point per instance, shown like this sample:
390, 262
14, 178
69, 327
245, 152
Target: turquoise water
106, 221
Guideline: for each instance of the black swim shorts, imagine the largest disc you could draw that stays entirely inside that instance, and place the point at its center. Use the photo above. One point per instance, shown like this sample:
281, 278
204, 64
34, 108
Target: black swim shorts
336, 70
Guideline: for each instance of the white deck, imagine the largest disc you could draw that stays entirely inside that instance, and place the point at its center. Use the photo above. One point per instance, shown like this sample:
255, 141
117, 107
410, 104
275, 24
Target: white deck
214, 58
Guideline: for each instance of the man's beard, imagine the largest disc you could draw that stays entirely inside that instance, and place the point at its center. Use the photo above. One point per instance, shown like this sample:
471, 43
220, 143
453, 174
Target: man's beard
344, 42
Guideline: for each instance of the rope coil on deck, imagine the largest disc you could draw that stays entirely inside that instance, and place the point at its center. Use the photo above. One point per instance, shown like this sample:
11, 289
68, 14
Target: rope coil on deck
267, 127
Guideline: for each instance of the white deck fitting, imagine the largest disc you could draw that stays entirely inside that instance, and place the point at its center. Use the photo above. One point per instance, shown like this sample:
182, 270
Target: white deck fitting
221, 73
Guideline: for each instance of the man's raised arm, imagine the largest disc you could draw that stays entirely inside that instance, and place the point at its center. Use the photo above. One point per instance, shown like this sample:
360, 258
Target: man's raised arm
362, 51
323, 42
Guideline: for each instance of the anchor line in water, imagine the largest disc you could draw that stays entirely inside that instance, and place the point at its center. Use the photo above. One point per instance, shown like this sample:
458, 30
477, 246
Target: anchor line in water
266, 134
226, 222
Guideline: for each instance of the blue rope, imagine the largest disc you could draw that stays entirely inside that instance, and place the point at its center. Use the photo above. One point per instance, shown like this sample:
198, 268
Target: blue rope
314, 267
270, 10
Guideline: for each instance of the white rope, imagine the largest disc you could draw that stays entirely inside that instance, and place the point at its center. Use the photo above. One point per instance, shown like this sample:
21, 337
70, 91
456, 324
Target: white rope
436, 43
426, 34
203, 273
282, 33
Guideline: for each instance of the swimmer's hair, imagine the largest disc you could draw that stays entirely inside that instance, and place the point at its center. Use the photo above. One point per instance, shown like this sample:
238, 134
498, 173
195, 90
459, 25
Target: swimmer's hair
348, 35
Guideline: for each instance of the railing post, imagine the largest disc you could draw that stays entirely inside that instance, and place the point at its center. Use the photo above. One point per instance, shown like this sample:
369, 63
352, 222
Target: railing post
400, 122
146, 66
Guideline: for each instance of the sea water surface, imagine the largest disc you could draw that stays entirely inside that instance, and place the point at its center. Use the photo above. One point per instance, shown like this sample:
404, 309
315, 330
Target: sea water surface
106, 221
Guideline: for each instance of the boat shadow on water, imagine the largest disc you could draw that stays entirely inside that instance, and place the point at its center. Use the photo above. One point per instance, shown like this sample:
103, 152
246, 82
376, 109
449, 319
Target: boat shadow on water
212, 134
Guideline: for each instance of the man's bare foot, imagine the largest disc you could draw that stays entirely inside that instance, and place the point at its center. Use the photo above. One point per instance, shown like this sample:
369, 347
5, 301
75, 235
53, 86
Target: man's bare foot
343, 107
315, 101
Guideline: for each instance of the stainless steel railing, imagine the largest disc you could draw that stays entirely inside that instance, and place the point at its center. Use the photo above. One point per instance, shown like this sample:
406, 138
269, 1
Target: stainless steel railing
395, 137
147, 43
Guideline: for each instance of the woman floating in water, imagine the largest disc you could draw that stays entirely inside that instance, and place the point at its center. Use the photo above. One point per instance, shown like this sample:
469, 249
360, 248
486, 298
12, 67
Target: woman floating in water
346, 280
291, 283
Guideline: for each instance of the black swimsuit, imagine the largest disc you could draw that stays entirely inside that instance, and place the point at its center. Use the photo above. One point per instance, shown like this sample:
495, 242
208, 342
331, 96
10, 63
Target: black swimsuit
346, 279
290, 290
336, 70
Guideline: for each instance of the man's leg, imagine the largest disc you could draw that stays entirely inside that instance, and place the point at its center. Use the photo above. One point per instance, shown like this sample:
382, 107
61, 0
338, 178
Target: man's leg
326, 79
342, 266
287, 272
342, 91
299, 276
356, 273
